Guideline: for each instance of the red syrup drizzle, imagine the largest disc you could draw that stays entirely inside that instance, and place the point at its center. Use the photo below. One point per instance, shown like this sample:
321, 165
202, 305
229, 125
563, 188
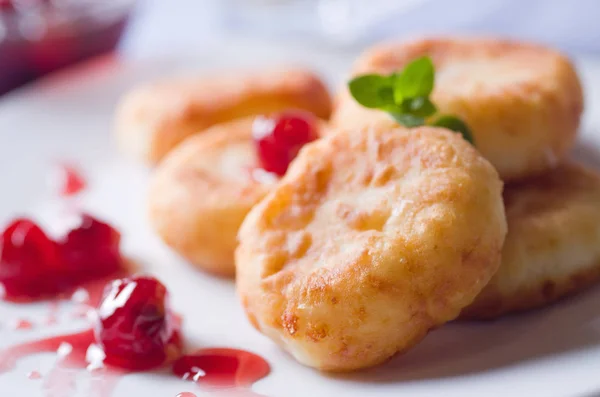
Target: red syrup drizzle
61, 378
34, 267
186, 394
222, 368
21, 324
70, 181
34, 375
218, 368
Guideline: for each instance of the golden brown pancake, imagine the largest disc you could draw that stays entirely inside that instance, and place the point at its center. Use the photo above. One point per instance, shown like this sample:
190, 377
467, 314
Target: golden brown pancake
201, 192
369, 241
523, 102
153, 118
552, 248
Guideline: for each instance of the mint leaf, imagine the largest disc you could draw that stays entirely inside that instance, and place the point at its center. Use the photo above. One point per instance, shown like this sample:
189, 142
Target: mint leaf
419, 106
392, 109
405, 96
455, 124
408, 120
398, 94
372, 90
416, 80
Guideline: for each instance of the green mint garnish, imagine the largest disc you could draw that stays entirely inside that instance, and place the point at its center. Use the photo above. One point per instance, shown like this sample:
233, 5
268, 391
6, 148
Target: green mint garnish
454, 124
408, 120
405, 96
416, 80
372, 90
419, 106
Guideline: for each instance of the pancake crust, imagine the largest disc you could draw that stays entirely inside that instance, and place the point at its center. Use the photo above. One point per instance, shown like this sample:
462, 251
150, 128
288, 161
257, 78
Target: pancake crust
202, 191
553, 244
523, 102
371, 239
153, 118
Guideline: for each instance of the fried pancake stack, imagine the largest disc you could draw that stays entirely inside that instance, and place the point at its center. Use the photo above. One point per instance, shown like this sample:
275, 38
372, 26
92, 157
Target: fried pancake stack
378, 233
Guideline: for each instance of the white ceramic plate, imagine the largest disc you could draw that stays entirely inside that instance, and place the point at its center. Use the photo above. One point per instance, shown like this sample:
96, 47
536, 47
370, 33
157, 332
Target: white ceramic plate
551, 352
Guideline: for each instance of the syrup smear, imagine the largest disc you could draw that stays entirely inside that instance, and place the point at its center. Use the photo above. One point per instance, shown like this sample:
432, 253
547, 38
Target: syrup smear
211, 368
71, 353
53, 309
222, 368
69, 180
21, 324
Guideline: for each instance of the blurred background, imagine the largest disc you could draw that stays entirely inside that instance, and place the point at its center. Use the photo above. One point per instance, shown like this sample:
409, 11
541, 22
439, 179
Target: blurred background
41, 36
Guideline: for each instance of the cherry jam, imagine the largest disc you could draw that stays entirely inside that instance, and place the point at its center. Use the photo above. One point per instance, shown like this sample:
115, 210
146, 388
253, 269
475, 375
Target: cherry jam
222, 368
40, 36
70, 180
278, 139
34, 266
135, 330
135, 325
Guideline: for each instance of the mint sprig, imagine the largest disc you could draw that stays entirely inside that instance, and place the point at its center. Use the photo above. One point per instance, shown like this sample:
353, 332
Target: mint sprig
454, 124
405, 96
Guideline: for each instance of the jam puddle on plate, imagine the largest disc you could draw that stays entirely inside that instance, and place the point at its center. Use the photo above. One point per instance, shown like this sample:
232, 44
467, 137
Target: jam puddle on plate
73, 352
214, 369
105, 356
134, 328
221, 368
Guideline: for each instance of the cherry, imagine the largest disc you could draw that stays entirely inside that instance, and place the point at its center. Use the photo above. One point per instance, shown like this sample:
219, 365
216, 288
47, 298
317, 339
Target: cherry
33, 266
135, 325
91, 249
28, 261
278, 139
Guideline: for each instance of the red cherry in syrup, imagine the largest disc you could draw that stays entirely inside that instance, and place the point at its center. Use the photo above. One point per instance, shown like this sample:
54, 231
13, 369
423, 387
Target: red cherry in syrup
28, 261
91, 249
135, 325
278, 139
33, 266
